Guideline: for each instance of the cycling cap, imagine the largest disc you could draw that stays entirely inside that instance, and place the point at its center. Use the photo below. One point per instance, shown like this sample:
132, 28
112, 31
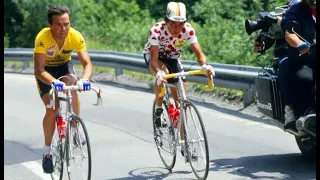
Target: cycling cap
176, 11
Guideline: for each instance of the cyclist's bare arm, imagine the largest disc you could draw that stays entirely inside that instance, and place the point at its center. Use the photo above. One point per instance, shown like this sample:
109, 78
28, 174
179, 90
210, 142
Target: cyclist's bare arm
154, 55
202, 59
86, 64
39, 71
292, 39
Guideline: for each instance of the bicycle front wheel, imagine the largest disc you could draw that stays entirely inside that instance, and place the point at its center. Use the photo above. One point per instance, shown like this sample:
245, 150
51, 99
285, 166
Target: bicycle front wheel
196, 141
57, 151
78, 151
164, 138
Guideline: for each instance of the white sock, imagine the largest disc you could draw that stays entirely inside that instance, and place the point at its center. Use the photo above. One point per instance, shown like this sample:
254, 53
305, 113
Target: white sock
46, 149
73, 129
182, 147
157, 107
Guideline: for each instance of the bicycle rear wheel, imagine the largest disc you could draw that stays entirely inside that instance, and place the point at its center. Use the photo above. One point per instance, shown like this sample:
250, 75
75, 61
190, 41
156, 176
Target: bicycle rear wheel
196, 141
57, 151
78, 150
165, 139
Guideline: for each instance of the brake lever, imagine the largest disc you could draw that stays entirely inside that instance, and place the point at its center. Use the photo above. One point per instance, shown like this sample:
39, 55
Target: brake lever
52, 100
99, 99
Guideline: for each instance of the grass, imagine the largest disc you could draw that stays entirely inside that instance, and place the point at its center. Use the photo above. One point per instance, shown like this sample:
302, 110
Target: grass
229, 94
96, 45
15, 64
97, 69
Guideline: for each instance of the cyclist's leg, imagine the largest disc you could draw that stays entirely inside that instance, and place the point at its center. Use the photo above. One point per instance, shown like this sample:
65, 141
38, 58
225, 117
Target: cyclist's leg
48, 124
159, 120
157, 88
174, 67
68, 70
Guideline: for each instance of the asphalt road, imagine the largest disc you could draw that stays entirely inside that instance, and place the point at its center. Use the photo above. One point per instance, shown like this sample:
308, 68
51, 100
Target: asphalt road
241, 146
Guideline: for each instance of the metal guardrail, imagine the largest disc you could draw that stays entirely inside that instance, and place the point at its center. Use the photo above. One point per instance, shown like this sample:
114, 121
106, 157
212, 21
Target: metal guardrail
236, 77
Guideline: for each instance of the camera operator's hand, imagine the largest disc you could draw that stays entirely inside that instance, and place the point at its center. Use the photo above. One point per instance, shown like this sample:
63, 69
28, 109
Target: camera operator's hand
303, 47
258, 45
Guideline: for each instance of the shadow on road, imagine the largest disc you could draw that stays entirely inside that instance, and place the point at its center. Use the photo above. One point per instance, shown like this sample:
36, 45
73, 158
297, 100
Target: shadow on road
288, 166
235, 113
16, 152
153, 173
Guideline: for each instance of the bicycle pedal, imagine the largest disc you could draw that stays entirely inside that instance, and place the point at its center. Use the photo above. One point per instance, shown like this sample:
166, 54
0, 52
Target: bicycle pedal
158, 142
158, 132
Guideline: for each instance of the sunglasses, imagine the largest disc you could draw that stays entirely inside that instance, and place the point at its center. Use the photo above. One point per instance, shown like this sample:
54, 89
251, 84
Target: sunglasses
177, 23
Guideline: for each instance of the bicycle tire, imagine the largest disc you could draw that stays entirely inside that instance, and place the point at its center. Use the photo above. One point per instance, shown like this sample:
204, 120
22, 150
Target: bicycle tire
58, 157
189, 104
168, 165
70, 143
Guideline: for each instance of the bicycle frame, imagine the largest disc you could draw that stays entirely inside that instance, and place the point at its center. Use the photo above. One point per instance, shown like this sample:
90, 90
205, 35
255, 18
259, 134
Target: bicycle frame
69, 114
68, 99
182, 101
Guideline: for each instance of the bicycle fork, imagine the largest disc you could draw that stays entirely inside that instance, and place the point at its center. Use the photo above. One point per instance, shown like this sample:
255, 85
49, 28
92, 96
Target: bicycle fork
181, 126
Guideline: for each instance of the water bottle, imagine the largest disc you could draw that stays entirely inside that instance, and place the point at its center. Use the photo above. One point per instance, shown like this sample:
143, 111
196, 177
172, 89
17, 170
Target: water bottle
61, 126
174, 115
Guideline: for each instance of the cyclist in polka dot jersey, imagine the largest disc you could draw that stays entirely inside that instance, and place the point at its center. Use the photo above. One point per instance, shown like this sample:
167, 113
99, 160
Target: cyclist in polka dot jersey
163, 51
170, 47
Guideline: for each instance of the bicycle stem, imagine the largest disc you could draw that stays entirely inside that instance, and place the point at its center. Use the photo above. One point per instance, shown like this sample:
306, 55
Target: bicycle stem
194, 72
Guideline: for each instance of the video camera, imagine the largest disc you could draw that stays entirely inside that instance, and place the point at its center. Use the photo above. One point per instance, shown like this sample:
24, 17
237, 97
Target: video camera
269, 23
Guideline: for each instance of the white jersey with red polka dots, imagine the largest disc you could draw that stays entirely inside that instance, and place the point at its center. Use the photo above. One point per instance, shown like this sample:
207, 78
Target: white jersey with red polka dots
169, 47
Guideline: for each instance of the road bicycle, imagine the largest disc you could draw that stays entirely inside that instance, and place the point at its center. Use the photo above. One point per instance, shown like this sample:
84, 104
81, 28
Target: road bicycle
75, 145
192, 139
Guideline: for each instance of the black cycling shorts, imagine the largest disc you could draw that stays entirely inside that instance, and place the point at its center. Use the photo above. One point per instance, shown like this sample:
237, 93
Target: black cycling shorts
174, 66
56, 72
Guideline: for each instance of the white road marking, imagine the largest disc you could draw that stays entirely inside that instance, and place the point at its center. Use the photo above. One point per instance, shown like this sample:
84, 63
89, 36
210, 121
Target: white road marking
36, 168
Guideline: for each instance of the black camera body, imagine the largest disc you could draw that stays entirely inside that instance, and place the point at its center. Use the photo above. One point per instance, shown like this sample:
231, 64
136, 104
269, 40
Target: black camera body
268, 97
269, 23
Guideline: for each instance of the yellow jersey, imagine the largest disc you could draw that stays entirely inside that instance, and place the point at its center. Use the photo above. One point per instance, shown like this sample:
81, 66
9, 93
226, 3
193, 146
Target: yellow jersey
45, 44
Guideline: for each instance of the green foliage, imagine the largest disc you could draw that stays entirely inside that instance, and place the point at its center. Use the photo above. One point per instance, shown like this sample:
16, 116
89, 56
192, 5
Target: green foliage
13, 19
124, 25
35, 18
222, 36
158, 7
34, 21
119, 25
6, 41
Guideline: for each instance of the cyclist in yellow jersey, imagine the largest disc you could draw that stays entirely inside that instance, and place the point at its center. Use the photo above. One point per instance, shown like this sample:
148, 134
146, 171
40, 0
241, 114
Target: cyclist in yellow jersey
52, 59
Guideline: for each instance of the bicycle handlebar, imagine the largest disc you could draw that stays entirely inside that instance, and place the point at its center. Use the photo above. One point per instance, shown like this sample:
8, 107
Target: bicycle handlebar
188, 73
52, 95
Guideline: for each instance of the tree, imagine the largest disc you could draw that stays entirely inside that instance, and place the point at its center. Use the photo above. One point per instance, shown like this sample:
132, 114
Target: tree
12, 20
